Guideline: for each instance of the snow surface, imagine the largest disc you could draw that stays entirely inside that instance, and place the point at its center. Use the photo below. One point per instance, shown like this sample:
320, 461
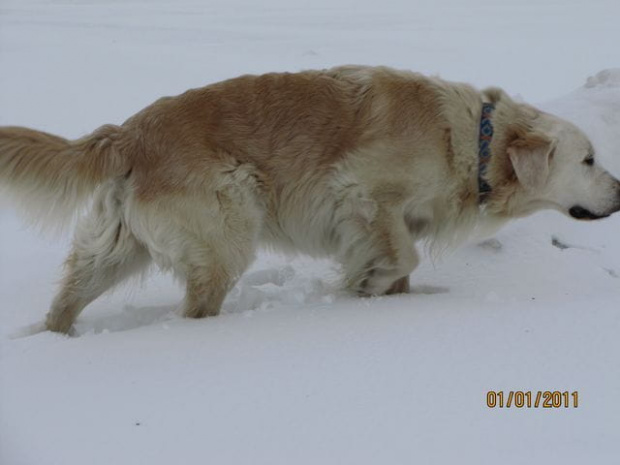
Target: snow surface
296, 371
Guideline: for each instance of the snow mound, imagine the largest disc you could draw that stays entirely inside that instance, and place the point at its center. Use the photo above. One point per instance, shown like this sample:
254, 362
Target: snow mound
274, 287
605, 78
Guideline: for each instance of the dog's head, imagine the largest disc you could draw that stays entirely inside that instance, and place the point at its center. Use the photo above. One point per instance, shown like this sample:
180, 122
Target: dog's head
556, 167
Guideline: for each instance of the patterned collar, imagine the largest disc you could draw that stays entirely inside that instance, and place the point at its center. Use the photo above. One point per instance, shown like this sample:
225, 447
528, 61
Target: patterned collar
484, 150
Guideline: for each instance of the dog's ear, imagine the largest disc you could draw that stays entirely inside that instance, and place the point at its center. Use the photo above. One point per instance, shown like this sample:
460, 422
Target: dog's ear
530, 155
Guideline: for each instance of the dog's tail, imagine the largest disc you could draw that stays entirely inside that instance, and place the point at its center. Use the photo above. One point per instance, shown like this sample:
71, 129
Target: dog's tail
52, 177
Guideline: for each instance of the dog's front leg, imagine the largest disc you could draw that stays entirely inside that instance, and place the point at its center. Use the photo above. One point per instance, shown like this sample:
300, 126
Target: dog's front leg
381, 256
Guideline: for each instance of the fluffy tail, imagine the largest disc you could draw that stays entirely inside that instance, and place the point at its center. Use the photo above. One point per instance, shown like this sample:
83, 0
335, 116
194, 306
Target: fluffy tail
52, 177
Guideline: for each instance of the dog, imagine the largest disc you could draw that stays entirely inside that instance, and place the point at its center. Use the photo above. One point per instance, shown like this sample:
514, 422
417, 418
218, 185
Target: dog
355, 163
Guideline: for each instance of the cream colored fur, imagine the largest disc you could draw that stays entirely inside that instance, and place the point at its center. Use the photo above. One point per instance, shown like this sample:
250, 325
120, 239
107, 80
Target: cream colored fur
355, 163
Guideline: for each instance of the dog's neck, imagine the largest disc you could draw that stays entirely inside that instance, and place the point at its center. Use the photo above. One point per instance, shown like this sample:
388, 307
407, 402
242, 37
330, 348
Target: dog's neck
484, 150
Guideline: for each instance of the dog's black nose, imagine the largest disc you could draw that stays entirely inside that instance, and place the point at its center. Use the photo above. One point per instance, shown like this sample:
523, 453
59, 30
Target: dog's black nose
581, 213
578, 212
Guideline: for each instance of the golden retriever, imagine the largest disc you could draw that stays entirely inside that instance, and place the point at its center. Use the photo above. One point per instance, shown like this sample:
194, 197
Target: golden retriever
356, 163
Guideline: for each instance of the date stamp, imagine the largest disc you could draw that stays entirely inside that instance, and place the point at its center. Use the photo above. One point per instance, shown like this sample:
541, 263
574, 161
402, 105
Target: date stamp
532, 399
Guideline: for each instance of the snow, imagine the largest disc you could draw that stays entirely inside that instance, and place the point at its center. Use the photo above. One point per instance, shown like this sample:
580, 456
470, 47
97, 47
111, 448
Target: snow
296, 370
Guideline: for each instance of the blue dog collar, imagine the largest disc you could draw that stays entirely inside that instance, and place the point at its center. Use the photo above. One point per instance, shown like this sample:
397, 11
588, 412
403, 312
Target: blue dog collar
484, 150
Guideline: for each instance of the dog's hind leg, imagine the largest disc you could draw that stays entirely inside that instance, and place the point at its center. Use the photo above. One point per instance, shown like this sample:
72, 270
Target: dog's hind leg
217, 258
207, 236
104, 253
208, 282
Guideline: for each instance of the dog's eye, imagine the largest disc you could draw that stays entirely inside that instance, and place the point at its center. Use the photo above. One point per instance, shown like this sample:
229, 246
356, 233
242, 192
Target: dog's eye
589, 160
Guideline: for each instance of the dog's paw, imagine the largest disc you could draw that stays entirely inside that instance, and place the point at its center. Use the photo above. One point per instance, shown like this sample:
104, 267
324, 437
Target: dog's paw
380, 281
400, 286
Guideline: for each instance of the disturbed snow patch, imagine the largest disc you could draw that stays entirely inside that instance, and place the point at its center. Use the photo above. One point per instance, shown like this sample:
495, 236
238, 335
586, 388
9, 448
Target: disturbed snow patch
605, 78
